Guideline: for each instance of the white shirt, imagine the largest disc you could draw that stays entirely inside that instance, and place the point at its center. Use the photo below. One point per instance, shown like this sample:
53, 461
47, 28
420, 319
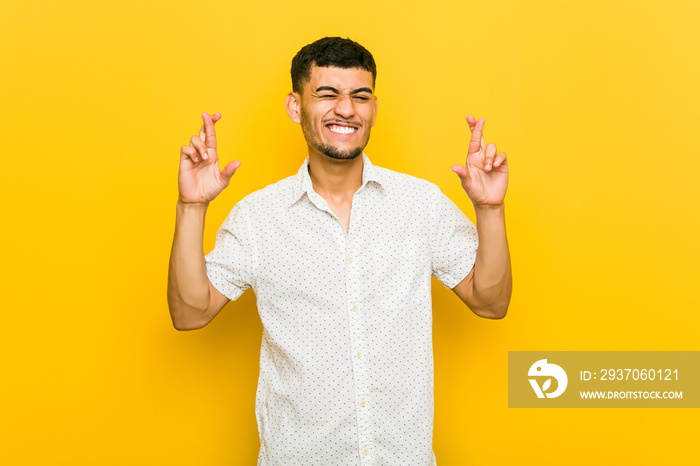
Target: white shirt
346, 364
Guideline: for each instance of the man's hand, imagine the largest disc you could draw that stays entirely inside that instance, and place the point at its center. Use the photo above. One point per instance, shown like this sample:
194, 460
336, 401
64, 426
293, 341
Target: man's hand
485, 176
200, 180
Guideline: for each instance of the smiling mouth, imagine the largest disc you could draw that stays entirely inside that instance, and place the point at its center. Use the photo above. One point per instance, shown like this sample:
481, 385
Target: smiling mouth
338, 129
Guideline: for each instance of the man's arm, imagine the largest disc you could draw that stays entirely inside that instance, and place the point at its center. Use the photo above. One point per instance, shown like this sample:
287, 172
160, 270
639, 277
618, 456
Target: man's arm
192, 299
487, 288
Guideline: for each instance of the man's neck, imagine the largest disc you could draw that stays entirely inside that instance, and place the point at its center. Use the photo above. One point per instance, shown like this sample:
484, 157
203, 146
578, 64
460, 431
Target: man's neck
335, 180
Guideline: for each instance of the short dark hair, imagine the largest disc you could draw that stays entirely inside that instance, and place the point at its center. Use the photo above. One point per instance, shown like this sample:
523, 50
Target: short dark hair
330, 51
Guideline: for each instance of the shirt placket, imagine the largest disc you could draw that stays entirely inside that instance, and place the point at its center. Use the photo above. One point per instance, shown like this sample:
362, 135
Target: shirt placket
363, 408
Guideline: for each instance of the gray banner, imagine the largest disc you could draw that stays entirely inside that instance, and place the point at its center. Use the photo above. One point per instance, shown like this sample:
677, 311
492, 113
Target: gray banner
604, 379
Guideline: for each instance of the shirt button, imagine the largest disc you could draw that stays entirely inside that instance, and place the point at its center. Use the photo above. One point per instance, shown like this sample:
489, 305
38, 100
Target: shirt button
354, 307
365, 452
350, 259
362, 403
358, 355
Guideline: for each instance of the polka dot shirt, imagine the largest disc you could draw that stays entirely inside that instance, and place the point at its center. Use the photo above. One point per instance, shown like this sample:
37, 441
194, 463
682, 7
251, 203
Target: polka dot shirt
346, 364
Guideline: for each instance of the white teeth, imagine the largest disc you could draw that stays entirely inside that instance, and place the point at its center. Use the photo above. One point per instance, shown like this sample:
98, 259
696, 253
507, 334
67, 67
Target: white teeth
342, 129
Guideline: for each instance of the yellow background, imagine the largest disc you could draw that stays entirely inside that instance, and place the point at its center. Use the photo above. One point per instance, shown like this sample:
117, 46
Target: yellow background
596, 103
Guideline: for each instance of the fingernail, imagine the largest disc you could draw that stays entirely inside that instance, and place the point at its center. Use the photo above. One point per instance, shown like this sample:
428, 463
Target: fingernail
205, 156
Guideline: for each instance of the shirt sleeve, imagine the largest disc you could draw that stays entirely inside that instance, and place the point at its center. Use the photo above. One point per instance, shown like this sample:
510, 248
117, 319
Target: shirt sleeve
454, 242
230, 265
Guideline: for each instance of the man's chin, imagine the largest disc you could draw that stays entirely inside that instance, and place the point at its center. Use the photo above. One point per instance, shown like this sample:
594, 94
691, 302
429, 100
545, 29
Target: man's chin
338, 154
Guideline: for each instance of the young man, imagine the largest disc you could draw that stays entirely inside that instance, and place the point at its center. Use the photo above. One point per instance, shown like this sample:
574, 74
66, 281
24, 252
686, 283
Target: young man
340, 257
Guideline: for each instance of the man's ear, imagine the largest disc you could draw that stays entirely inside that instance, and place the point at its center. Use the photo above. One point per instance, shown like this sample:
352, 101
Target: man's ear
376, 107
293, 104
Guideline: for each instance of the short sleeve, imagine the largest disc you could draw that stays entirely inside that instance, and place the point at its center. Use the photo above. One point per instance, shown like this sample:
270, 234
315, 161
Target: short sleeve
454, 242
230, 264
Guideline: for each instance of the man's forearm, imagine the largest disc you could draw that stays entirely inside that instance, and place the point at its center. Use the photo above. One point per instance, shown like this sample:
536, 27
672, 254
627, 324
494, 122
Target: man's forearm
492, 281
188, 285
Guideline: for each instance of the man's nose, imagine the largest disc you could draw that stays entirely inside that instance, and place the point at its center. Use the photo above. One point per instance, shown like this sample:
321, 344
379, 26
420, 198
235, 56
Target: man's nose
344, 106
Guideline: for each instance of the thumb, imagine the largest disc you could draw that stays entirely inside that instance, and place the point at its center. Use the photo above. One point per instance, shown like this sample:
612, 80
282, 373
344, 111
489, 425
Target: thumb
460, 170
229, 170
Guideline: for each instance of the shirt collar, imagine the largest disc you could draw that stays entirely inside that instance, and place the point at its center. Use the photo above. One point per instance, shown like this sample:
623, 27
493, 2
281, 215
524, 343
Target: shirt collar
302, 181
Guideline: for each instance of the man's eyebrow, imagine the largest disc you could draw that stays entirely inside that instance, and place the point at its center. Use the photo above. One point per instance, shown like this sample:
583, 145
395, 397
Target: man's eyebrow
327, 88
362, 89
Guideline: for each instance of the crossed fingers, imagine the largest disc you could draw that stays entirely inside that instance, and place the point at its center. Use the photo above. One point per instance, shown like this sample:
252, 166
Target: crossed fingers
484, 153
205, 140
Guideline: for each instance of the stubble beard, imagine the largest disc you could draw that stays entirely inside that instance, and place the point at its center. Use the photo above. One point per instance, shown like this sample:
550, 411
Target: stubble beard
326, 149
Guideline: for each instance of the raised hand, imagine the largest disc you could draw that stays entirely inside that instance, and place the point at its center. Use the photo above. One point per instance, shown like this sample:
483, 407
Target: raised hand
485, 176
200, 179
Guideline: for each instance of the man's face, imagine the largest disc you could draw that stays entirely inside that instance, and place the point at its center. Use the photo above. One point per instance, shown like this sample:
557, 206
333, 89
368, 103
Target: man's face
337, 111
